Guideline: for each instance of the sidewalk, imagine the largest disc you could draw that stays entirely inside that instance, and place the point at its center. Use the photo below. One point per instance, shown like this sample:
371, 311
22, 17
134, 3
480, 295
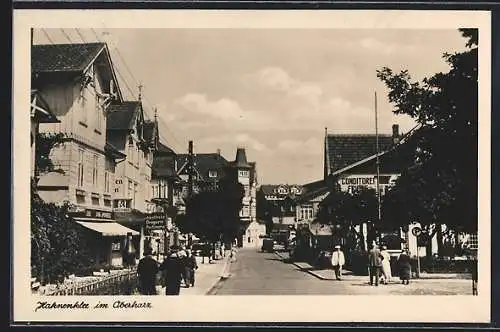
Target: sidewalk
206, 277
328, 274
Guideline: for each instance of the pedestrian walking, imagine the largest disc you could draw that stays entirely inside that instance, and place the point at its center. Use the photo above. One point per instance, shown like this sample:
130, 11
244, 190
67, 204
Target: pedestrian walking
386, 265
191, 266
222, 250
404, 265
172, 268
374, 264
338, 260
232, 256
147, 269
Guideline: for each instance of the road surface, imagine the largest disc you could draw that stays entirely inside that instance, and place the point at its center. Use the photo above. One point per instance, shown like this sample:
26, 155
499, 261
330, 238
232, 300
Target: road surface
256, 273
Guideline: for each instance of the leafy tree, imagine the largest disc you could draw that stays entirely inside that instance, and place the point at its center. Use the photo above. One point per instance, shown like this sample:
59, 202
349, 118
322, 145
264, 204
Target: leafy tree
45, 142
442, 184
265, 210
344, 210
58, 246
214, 215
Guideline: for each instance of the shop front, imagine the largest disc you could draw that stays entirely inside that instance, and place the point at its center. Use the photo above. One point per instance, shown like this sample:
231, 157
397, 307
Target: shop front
106, 236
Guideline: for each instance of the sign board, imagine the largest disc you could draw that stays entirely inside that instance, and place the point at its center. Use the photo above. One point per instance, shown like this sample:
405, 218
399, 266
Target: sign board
98, 214
155, 221
355, 181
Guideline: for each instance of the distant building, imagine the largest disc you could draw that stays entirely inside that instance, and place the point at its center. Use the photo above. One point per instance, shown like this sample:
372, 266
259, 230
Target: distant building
283, 197
254, 234
78, 84
208, 170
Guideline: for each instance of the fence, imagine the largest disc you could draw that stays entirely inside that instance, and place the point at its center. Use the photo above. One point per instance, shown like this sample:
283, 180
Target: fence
116, 283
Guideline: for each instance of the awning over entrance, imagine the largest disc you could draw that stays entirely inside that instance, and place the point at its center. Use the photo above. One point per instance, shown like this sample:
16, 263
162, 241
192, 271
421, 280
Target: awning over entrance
106, 228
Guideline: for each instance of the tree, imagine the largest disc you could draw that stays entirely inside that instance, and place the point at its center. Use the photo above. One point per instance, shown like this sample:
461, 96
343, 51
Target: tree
58, 246
45, 142
344, 210
214, 215
441, 186
265, 210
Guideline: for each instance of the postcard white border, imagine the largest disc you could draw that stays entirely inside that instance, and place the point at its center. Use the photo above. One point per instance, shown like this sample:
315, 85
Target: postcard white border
425, 309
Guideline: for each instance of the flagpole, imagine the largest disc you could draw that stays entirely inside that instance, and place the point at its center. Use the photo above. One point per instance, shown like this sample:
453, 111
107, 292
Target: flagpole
378, 162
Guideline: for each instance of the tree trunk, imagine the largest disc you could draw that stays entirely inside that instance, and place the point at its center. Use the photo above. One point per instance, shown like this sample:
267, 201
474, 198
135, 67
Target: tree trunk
439, 239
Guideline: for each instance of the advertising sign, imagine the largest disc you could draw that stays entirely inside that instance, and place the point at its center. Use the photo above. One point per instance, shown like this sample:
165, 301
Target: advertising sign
155, 221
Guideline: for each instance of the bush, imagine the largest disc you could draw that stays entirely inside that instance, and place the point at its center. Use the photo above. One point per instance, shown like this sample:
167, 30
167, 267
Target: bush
440, 265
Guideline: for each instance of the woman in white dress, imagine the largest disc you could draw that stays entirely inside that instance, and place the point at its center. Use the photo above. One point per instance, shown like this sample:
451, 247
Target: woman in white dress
386, 265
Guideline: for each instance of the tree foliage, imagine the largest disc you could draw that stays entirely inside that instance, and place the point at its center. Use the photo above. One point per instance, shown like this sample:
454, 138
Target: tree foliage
58, 247
214, 215
442, 184
45, 142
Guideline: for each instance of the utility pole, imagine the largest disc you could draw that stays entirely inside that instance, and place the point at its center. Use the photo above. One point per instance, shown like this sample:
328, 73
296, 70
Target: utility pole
31, 36
378, 161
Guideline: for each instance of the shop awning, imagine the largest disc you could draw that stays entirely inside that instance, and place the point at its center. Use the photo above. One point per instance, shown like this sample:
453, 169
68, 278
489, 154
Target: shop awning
106, 228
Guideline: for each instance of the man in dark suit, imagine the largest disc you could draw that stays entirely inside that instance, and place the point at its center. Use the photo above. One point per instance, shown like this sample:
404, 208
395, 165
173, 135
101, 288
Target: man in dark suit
173, 270
147, 270
374, 264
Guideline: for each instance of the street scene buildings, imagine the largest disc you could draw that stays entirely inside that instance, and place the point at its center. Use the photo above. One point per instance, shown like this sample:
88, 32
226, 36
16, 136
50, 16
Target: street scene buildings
274, 177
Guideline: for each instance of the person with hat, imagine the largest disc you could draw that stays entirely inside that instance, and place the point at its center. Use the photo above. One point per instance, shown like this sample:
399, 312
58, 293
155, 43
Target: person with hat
147, 269
173, 269
338, 260
374, 264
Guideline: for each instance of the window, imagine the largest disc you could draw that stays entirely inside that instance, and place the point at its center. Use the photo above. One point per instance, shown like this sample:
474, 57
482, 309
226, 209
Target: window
99, 115
212, 174
135, 196
130, 153
83, 103
247, 189
155, 190
246, 211
80, 167
95, 167
130, 189
106, 182
472, 242
243, 173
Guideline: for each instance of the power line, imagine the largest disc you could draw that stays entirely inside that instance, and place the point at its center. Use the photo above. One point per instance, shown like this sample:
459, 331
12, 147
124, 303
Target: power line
81, 36
47, 35
66, 35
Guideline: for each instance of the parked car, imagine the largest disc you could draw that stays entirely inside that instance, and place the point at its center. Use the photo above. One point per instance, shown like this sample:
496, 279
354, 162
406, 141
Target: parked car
267, 245
200, 249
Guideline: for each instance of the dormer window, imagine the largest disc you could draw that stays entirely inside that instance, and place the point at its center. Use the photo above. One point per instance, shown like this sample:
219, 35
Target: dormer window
212, 173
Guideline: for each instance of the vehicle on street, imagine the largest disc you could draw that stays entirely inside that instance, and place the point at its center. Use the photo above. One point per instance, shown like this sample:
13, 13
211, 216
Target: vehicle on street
267, 245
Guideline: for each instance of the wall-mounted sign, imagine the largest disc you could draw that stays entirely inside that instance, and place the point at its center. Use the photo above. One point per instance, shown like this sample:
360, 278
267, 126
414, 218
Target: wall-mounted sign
98, 214
355, 181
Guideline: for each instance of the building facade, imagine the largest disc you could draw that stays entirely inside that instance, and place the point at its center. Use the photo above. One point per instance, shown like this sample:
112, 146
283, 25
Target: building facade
137, 138
78, 83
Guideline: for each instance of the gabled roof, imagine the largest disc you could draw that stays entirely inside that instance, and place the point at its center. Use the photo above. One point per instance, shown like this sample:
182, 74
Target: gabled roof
63, 61
164, 162
64, 57
203, 163
343, 150
120, 116
267, 189
150, 133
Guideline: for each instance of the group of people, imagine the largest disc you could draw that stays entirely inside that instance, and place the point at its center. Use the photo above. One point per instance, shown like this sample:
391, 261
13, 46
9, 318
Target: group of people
379, 265
179, 265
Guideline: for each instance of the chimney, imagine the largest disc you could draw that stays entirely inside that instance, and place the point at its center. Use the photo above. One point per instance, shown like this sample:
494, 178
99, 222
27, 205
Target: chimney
218, 152
395, 133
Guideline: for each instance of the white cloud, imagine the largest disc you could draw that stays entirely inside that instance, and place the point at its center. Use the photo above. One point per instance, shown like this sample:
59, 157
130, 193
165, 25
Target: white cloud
241, 139
223, 108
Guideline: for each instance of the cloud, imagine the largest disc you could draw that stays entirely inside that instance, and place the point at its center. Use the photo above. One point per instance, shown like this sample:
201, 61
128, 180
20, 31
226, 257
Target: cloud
311, 146
376, 45
277, 79
223, 108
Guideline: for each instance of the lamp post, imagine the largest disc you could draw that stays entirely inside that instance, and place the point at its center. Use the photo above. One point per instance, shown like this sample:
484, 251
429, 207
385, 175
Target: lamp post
158, 249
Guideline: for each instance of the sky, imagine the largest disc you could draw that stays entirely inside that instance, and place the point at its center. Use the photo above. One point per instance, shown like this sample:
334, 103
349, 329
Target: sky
270, 91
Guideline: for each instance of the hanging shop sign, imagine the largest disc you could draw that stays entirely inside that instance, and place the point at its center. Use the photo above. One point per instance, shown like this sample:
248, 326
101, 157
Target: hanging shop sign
355, 181
155, 221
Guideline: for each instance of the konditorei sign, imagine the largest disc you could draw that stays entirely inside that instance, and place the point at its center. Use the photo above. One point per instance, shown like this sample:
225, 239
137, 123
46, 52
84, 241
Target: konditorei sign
354, 181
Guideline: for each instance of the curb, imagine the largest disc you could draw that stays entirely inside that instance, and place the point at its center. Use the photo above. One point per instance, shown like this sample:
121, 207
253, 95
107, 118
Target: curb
414, 279
301, 268
223, 275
